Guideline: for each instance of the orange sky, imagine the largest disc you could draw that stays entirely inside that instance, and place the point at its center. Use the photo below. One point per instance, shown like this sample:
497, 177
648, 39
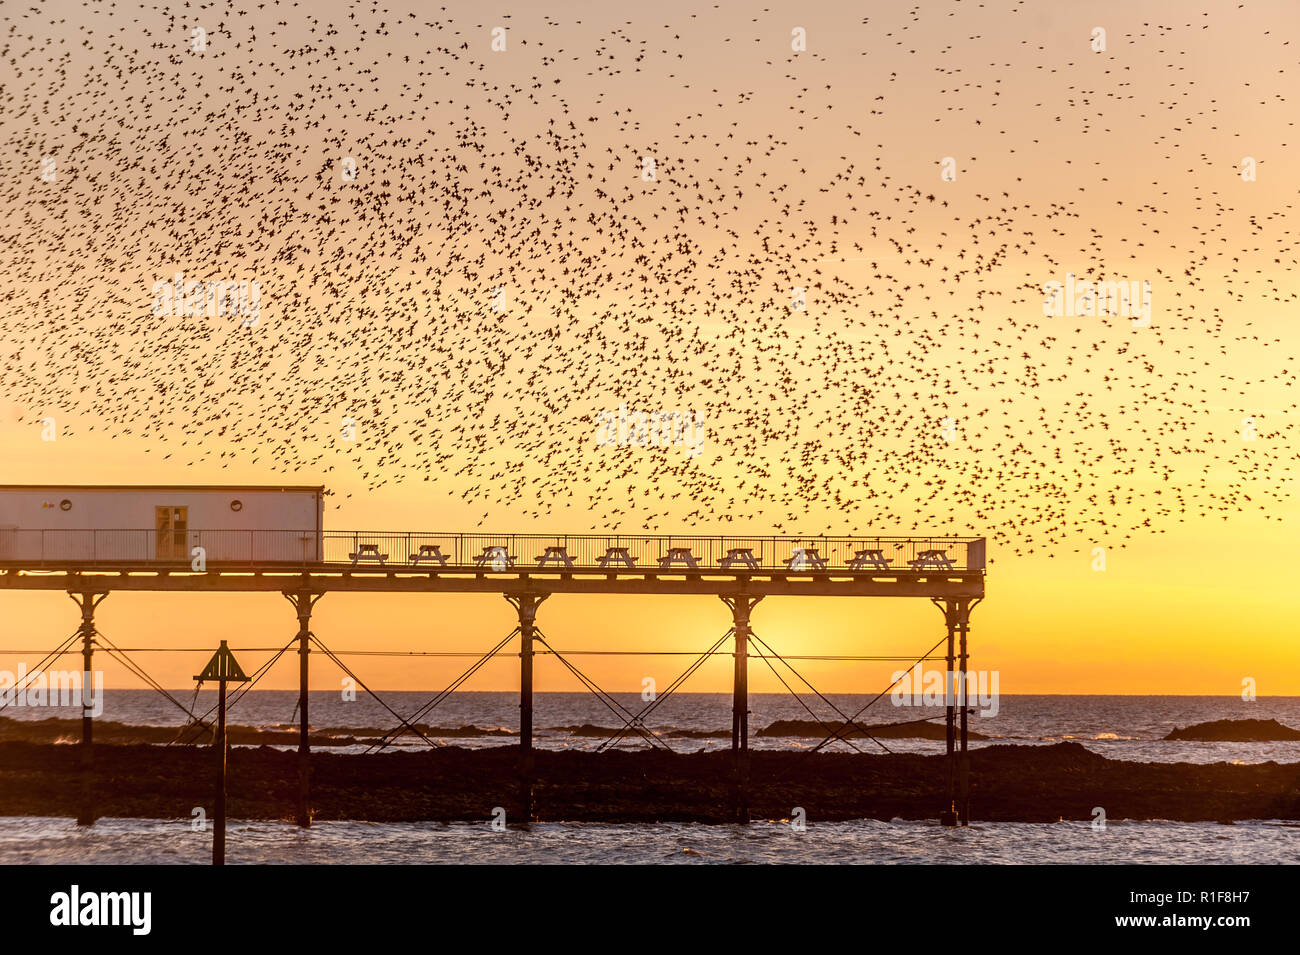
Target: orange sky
1125, 161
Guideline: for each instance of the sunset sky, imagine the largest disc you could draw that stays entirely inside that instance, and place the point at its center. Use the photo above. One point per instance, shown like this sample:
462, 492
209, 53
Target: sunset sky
819, 168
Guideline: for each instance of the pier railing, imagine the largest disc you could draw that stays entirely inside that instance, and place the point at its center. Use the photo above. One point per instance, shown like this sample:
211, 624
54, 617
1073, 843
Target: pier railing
489, 553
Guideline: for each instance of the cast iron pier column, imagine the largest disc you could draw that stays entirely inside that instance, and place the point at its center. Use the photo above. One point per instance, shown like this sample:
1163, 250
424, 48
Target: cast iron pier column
526, 605
87, 602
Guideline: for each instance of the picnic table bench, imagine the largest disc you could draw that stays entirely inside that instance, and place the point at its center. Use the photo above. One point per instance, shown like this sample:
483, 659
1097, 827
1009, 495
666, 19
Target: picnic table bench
739, 555
367, 552
873, 559
558, 554
496, 556
432, 552
617, 554
676, 554
806, 558
931, 560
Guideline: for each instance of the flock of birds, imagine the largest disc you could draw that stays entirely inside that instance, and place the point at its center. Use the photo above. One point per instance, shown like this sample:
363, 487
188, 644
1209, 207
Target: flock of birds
471, 241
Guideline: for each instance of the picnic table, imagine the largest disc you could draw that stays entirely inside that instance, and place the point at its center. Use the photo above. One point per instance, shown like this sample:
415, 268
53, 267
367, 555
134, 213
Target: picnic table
558, 554
806, 558
676, 554
617, 554
431, 551
931, 560
739, 555
873, 559
367, 552
496, 556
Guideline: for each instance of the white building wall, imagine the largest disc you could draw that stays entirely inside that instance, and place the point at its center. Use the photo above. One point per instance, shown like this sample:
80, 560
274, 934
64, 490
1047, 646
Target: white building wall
100, 524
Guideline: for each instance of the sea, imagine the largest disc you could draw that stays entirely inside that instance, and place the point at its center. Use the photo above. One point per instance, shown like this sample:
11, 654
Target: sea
1118, 727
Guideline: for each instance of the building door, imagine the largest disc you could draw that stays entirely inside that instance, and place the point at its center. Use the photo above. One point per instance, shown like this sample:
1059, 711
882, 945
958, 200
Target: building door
171, 524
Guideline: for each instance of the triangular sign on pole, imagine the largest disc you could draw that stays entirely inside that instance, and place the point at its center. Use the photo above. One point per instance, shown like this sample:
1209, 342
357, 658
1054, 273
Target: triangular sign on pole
222, 666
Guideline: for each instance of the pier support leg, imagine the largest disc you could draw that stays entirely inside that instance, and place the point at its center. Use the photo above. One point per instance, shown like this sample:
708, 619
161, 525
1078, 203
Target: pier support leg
741, 605
948, 817
303, 603
526, 605
87, 602
963, 609
956, 615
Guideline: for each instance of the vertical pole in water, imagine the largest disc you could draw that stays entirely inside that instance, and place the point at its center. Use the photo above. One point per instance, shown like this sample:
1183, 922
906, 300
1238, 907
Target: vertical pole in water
88, 603
741, 605
526, 605
963, 625
219, 822
949, 816
221, 669
303, 603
